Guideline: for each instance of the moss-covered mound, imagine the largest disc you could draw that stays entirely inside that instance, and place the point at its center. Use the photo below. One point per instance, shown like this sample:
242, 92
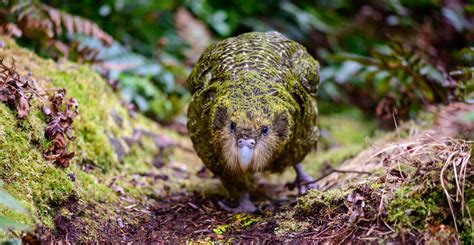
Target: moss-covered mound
418, 189
111, 150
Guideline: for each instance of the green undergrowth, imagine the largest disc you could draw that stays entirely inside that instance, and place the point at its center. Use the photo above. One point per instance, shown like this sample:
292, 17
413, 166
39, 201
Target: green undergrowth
413, 201
413, 210
236, 223
41, 186
317, 200
417, 205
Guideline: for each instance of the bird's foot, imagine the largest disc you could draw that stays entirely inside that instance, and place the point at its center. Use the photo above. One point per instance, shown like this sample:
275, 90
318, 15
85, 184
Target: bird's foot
303, 181
245, 205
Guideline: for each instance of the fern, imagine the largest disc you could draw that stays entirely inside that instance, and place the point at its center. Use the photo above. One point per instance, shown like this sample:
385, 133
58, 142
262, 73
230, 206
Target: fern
40, 20
404, 69
392, 77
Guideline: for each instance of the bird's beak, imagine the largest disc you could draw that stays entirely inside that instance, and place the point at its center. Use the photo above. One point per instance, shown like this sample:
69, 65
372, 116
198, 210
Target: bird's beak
246, 147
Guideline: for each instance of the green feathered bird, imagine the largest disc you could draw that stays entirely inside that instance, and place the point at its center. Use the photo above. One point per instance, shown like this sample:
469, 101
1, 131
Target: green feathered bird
254, 109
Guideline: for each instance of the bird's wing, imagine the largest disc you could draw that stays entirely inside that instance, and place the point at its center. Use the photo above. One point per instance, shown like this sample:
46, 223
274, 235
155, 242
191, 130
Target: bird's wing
201, 73
306, 69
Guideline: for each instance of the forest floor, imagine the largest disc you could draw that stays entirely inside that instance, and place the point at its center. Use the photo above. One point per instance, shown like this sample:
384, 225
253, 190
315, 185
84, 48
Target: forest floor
349, 206
133, 180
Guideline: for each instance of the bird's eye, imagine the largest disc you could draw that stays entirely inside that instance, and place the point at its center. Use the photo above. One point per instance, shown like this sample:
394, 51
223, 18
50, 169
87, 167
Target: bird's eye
232, 126
265, 130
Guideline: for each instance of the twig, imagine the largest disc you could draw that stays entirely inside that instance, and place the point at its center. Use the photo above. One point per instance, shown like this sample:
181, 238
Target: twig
332, 170
383, 191
389, 227
351, 171
200, 231
399, 139
448, 197
350, 234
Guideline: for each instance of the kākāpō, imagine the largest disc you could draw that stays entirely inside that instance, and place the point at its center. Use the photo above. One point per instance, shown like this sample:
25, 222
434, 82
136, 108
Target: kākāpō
254, 109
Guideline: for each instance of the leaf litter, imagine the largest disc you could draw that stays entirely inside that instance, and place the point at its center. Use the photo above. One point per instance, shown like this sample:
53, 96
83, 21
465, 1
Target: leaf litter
17, 91
59, 125
14, 89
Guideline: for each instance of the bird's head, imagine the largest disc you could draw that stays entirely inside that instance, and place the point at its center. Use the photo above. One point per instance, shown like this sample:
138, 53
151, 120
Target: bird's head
250, 131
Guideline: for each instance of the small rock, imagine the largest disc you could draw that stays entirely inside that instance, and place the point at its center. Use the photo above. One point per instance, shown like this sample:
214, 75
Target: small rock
120, 222
71, 176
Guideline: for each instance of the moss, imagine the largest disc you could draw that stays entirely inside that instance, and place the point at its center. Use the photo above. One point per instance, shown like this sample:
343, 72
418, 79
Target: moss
237, 222
27, 175
413, 210
416, 206
92, 136
314, 203
421, 202
41, 186
467, 236
288, 224
93, 191
315, 199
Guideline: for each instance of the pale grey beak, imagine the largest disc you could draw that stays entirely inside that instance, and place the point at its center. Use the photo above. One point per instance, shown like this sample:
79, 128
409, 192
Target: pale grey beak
246, 147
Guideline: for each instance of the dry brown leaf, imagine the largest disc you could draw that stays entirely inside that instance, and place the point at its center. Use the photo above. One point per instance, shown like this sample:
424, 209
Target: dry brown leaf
13, 88
58, 127
22, 106
10, 30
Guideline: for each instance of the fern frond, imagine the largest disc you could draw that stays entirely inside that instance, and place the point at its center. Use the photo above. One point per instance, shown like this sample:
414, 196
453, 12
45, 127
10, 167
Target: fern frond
37, 18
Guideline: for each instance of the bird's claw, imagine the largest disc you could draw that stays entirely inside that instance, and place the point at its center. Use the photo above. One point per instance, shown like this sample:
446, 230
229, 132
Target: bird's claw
245, 205
306, 185
242, 208
303, 181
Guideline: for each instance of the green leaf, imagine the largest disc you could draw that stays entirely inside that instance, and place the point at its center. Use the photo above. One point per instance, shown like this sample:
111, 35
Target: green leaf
218, 21
9, 201
455, 18
221, 229
354, 57
467, 117
13, 241
6, 223
348, 69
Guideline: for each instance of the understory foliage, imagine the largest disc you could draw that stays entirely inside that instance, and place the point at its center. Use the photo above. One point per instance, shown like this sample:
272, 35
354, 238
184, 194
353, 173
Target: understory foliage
381, 56
45, 26
149, 85
394, 77
465, 72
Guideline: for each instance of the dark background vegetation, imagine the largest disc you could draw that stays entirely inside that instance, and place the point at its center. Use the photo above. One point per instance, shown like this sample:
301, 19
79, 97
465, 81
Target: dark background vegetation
380, 56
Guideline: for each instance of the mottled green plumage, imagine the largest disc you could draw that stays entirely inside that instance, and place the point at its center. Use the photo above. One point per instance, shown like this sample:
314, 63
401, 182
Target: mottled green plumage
266, 79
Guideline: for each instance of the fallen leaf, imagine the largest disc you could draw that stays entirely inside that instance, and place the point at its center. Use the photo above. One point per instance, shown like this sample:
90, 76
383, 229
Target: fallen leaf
13, 89
22, 106
58, 128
